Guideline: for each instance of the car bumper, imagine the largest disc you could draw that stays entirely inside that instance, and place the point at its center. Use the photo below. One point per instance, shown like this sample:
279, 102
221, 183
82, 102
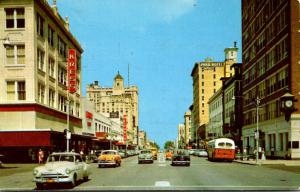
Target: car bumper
145, 160
106, 163
181, 162
52, 180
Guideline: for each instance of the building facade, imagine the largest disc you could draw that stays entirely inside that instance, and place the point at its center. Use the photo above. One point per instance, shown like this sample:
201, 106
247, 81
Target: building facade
118, 101
187, 128
270, 35
33, 76
215, 124
206, 81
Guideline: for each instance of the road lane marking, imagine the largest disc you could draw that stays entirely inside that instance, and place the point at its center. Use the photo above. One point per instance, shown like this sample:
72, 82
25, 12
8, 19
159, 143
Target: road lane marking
162, 184
162, 165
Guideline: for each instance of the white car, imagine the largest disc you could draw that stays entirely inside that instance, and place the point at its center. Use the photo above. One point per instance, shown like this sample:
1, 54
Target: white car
65, 167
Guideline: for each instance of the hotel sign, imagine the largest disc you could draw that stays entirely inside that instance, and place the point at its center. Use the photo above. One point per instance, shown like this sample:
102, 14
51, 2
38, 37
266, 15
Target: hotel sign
210, 65
72, 67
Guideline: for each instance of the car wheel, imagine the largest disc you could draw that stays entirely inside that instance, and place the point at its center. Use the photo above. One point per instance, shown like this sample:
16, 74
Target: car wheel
99, 166
39, 186
86, 178
73, 182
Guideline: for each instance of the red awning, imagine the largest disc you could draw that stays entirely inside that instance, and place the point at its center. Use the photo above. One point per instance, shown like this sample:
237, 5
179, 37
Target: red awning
120, 143
25, 139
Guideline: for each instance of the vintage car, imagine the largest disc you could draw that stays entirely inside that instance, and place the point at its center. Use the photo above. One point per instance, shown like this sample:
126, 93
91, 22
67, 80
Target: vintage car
154, 153
145, 156
64, 167
169, 155
181, 157
109, 158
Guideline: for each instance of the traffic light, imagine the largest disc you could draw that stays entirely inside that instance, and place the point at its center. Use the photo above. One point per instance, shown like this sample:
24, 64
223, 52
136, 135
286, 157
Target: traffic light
65, 132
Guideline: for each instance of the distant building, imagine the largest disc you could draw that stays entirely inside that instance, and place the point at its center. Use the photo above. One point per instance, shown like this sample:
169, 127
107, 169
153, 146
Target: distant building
142, 140
271, 60
187, 128
206, 81
33, 76
181, 136
118, 101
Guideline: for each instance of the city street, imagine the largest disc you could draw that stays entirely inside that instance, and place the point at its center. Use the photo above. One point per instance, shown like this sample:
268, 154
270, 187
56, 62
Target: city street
202, 174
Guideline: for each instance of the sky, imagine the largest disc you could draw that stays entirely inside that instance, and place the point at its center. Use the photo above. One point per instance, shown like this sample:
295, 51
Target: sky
160, 41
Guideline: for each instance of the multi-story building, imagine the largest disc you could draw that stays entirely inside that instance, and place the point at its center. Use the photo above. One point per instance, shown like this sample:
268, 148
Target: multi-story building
33, 76
270, 34
206, 81
187, 128
215, 124
107, 133
118, 101
142, 139
181, 135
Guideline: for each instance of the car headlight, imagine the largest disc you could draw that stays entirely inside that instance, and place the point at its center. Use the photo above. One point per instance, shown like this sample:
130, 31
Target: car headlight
35, 172
68, 171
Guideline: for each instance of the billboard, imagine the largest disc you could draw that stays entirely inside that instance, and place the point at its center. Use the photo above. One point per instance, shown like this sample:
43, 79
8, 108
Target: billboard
72, 67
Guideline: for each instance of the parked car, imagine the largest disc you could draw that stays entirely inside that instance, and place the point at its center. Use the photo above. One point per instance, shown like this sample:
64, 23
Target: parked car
145, 156
109, 158
122, 154
181, 157
202, 153
169, 155
65, 167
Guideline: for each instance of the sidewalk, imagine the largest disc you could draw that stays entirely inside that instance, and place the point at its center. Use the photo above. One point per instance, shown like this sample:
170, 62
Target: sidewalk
270, 162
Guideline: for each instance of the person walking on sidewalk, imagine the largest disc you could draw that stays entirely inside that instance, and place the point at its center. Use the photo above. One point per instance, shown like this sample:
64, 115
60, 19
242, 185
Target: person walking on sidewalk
41, 156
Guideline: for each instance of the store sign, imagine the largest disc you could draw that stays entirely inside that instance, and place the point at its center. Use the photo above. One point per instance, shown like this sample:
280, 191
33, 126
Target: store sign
210, 65
88, 115
72, 67
114, 114
125, 128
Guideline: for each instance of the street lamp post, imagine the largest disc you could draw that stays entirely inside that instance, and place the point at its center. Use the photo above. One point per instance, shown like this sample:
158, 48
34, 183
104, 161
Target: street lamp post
257, 102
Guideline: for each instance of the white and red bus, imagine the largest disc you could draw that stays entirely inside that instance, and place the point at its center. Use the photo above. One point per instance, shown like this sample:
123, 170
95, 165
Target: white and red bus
221, 149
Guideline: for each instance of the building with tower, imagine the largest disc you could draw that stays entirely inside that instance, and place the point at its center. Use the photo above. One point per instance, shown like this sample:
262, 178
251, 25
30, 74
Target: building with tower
206, 81
118, 102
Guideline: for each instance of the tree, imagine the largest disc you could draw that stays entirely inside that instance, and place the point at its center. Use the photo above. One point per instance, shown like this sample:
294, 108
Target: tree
154, 144
169, 145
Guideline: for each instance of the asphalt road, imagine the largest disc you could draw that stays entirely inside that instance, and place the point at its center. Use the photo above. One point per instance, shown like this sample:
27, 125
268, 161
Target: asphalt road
202, 174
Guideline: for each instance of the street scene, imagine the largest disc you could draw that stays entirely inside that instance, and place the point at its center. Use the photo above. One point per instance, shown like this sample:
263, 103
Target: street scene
149, 95
201, 175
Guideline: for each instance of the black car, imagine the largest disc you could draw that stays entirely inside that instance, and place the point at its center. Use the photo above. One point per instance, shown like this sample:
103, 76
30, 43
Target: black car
181, 157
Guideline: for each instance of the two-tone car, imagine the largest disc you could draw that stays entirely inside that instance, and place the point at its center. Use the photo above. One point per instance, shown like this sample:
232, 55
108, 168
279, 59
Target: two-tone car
181, 157
145, 156
64, 167
109, 158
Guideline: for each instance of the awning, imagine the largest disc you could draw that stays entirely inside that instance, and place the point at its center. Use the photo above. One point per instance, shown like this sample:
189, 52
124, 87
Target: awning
25, 139
120, 143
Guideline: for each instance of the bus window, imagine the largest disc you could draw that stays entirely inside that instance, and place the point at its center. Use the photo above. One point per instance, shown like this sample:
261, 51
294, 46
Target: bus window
221, 144
228, 144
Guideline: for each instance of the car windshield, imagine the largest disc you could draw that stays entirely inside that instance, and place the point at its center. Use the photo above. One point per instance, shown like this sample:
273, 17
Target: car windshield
145, 152
55, 158
108, 153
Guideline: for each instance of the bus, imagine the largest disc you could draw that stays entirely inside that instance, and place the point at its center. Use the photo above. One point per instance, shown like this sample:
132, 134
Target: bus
154, 152
221, 149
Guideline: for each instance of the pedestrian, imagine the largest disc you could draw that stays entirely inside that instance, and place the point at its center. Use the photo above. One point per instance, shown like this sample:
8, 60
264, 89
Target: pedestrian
41, 156
263, 157
33, 156
272, 152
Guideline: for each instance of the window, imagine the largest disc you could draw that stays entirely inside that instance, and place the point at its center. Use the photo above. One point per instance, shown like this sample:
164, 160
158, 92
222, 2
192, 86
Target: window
13, 87
62, 47
41, 93
62, 75
15, 18
50, 36
39, 25
40, 59
51, 98
62, 103
51, 66
15, 54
